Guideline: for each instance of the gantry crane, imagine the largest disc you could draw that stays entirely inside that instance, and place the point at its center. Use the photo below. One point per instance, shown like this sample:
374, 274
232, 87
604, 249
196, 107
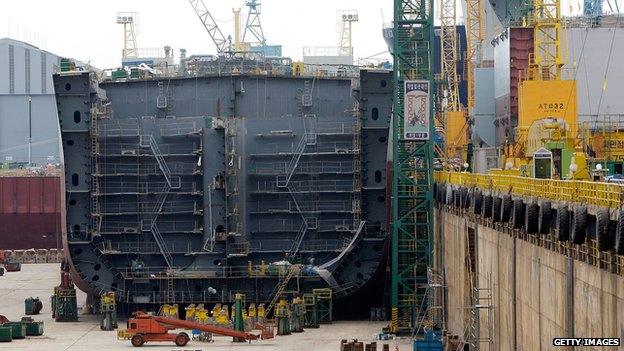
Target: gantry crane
412, 169
211, 26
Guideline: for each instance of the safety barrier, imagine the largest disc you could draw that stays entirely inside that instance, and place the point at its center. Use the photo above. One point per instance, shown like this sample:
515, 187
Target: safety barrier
592, 193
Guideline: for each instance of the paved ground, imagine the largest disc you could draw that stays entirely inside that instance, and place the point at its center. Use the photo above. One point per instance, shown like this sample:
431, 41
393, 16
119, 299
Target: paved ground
39, 280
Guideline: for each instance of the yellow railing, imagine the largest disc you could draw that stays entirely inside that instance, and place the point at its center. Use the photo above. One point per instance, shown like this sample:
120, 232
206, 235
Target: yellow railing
591, 193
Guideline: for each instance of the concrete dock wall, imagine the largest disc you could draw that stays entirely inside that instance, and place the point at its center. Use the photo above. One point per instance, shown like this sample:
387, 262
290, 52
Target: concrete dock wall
536, 294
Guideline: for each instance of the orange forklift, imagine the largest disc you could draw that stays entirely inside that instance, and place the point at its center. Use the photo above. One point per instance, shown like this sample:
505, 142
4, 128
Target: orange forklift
144, 328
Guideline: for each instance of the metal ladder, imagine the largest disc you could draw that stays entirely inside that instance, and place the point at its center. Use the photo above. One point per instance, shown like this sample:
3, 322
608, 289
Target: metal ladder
357, 168
282, 180
162, 246
162, 164
482, 301
298, 239
279, 289
170, 291
96, 218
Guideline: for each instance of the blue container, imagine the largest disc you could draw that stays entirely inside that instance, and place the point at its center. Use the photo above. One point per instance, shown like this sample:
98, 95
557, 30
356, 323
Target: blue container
431, 342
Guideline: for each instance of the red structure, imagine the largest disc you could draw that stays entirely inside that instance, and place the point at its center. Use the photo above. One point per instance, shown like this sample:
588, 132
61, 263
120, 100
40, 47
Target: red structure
145, 328
30, 213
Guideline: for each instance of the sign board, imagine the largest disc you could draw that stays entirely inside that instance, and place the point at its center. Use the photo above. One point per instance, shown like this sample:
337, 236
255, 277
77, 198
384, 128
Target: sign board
416, 110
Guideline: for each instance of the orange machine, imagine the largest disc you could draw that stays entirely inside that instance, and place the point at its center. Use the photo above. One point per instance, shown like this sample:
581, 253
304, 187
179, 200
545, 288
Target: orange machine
144, 328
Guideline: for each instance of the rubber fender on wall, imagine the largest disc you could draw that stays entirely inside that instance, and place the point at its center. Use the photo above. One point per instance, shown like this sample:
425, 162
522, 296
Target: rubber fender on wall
563, 224
619, 234
465, 197
506, 207
604, 231
477, 201
544, 218
457, 197
532, 216
449, 195
487, 206
518, 214
442, 194
496, 208
579, 225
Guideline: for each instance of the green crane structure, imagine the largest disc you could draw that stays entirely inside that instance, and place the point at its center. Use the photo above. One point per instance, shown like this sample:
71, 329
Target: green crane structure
412, 155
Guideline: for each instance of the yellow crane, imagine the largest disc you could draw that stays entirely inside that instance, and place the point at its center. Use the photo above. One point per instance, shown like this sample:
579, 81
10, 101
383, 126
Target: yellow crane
453, 115
547, 104
456, 118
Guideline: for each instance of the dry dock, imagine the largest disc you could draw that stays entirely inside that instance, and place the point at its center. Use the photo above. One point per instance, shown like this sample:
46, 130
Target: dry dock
39, 280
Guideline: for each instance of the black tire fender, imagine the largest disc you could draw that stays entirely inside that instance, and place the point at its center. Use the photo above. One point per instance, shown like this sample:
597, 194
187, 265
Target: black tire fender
579, 225
518, 214
497, 203
604, 230
563, 223
477, 201
506, 207
619, 234
465, 197
449, 195
487, 206
532, 216
544, 218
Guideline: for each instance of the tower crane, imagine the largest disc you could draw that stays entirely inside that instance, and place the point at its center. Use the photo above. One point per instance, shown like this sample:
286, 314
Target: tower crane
130, 42
454, 117
211, 25
347, 18
253, 27
412, 163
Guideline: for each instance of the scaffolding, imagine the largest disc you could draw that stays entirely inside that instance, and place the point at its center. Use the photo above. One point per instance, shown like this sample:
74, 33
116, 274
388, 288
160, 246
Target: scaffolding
132, 163
306, 175
482, 339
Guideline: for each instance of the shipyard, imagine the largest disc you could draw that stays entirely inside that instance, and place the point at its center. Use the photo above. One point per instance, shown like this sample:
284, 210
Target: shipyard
399, 175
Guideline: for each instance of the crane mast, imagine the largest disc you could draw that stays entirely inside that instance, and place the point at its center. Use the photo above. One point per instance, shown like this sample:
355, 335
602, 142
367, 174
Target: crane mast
210, 24
546, 61
448, 39
412, 163
474, 31
253, 27
453, 115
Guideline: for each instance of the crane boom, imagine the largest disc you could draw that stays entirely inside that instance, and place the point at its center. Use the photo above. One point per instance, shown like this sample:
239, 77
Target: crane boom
210, 24
179, 323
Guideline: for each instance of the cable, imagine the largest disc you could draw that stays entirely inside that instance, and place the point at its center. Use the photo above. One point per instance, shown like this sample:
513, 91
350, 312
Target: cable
604, 80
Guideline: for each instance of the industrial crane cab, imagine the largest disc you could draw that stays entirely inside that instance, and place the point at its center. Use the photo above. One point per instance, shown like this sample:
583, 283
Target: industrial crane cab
548, 148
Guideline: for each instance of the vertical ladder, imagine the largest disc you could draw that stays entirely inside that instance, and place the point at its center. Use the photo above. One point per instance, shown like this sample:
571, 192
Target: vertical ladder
357, 169
170, 290
96, 218
482, 301
279, 289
